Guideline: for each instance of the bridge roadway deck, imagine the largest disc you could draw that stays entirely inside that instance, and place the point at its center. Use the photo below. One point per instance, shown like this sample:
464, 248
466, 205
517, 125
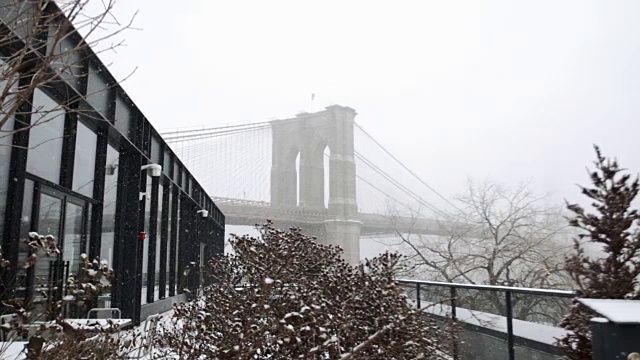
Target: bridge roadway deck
246, 212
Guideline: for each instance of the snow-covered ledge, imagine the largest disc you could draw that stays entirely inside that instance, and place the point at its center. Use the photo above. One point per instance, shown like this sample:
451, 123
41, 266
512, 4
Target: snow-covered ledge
616, 333
539, 337
160, 306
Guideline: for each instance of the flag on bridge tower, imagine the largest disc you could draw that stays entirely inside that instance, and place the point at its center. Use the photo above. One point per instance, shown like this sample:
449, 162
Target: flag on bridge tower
313, 96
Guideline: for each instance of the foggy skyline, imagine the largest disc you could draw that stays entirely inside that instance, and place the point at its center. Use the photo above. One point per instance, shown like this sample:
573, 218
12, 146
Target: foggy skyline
499, 90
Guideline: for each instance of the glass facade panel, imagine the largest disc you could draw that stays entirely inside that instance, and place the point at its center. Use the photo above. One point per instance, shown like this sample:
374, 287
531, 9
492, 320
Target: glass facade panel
66, 61
6, 138
45, 137
169, 222
50, 214
85, 160
145, 252
86, 244
177, 273
177, 175
109, 204
158, 241
73, 234
21, 22
156, 151
166, 166
97, 91
25, 227
123, 117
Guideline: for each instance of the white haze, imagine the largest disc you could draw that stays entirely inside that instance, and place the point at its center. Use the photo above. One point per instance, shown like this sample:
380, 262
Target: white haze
485, 89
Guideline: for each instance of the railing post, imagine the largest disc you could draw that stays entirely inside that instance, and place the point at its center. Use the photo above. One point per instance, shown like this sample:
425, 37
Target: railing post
454, 295
418, 305
509, 309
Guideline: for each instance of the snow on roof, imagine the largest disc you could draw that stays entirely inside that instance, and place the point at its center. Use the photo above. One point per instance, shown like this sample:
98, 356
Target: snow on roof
616, 310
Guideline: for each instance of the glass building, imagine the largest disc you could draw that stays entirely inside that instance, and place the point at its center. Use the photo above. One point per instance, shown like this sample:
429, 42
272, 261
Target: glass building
71, 165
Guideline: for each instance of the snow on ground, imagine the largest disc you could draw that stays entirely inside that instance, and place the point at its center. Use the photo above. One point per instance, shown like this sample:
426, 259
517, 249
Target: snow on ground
15, 350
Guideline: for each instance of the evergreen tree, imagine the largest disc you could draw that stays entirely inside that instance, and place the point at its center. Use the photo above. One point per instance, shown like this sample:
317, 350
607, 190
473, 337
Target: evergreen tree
614, 227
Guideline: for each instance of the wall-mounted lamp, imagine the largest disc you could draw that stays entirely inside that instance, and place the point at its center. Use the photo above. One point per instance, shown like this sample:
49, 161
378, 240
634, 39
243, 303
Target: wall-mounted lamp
204, 213
153, 170
110, 169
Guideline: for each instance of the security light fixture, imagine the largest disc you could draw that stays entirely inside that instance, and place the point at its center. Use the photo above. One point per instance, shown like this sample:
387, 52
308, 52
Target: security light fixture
153, 170
205, 213
110, 169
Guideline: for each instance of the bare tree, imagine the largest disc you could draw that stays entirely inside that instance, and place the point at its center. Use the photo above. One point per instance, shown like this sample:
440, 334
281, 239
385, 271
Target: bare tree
284, 296
497, 236
46, 44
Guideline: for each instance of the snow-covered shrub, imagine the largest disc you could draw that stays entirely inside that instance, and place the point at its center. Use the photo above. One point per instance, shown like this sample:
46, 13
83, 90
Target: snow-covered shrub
83, 289
285, 296
57, 339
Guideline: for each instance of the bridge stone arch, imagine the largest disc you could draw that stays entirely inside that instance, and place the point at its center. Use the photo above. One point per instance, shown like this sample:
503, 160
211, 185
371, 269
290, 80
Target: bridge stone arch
312, 173
309, 135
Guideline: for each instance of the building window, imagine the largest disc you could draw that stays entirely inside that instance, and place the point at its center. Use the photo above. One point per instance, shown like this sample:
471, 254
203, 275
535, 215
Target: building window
156, 151
159, 240
123, 117
169, 210
73, 235
166, 166
66, 60
145, 252
97, 91
25, 228
177, 175
45, 137
109, 204
6, 137
177, 249
85, 160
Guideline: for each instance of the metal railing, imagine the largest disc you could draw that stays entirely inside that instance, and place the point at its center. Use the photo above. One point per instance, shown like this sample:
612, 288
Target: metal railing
525, 320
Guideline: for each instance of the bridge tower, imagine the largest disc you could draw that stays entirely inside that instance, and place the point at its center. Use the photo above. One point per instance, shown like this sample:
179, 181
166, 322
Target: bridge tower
308, 135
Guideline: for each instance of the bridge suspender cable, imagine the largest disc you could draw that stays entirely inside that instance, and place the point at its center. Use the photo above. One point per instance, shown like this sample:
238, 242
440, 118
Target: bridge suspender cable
189, 134
406, 168
212, 132
207, 135
250, 125
397, 184
386, 194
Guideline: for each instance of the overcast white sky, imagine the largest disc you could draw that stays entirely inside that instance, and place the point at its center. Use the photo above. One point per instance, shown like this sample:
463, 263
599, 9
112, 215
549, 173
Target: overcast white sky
485, 89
